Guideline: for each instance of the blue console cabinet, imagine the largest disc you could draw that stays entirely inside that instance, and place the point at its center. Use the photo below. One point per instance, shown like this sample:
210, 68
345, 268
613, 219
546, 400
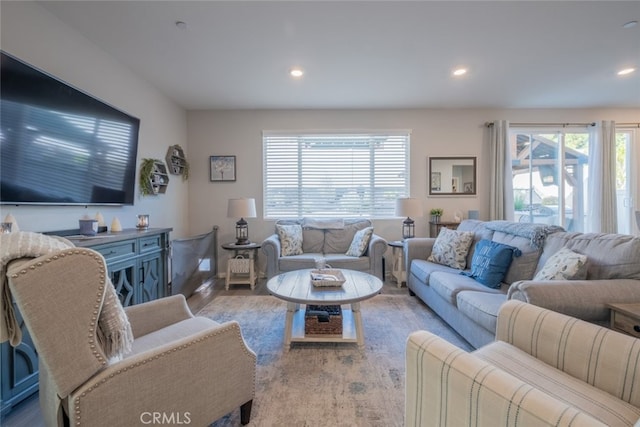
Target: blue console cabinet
137, 261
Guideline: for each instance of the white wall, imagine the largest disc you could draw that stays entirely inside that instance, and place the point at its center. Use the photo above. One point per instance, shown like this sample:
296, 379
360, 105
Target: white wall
433, 133
32, 34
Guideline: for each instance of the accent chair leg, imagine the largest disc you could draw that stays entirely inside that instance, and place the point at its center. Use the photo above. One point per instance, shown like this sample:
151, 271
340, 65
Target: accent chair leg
245, 413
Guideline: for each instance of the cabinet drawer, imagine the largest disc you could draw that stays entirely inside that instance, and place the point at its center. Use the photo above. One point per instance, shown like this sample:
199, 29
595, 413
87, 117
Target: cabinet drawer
117, 250
626, 324
152, 243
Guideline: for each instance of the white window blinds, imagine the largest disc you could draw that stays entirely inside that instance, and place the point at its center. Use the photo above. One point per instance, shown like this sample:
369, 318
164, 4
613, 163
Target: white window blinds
334, 174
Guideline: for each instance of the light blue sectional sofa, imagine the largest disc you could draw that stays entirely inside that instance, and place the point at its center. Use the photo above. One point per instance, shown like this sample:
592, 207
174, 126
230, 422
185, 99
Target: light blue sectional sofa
612, 275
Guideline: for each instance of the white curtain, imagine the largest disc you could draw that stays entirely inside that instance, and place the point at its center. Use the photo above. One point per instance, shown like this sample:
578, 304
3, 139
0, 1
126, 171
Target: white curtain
501, 185
602, 179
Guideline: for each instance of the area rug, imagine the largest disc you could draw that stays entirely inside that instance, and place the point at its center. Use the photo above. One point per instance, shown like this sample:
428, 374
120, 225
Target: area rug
327, 384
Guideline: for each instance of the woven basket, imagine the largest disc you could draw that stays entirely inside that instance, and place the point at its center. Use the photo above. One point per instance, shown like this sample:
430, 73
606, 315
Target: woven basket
239, 265
335, 273
323, 320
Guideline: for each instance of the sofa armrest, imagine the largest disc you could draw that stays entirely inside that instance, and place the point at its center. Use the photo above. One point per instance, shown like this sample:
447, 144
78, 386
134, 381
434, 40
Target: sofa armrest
584, 299
154, 315
271, 250
416, 248
376, 251
446, 386
608, 360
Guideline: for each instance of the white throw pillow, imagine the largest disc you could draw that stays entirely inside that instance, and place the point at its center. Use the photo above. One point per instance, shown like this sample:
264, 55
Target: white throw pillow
451, 248
290, 239
563, 265
360, 242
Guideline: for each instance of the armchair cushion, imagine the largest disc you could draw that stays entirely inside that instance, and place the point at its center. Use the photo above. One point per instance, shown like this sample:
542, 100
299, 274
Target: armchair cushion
290, 239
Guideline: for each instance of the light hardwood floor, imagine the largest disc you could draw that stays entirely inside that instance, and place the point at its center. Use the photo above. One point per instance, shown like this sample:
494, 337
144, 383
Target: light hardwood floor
27, 413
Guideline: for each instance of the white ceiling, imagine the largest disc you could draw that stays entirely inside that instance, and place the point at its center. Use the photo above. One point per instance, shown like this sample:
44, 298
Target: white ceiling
377, 54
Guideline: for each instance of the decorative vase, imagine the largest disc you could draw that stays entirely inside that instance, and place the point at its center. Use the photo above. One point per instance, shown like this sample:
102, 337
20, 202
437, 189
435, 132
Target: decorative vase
435, 219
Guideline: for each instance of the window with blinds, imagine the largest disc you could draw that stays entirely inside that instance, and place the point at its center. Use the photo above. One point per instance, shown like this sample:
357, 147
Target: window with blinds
334, 174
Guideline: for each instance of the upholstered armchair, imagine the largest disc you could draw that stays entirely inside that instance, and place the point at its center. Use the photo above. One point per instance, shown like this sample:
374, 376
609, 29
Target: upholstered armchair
181, 368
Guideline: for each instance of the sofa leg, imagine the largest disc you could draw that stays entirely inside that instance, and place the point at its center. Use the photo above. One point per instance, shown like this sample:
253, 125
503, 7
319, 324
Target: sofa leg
245, 413
411, 293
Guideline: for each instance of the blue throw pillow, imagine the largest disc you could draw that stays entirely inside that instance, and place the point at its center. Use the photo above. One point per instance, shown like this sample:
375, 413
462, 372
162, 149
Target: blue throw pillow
491, 261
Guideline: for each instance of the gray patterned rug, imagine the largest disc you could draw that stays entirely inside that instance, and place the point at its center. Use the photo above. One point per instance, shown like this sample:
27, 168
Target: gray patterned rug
324, 384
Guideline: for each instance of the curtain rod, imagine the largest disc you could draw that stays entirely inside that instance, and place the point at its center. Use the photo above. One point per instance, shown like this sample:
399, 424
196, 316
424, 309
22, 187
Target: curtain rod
490, 124
637, 125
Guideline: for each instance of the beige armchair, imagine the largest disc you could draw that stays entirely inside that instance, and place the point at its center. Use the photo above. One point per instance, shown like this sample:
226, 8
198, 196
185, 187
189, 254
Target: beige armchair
181, 369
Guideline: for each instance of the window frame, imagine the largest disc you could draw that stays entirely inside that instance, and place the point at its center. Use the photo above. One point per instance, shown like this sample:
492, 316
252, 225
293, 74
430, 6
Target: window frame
370, 174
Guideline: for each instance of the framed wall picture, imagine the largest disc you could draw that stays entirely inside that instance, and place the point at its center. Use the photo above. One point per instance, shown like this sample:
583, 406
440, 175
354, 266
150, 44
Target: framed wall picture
222, 168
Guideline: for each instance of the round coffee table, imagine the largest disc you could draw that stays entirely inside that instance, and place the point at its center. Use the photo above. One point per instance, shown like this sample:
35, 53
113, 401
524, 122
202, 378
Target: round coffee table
295, 287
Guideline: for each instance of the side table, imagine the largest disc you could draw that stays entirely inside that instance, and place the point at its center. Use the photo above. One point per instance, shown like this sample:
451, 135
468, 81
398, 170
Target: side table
241, 267
625, 318
397, 271
434, 227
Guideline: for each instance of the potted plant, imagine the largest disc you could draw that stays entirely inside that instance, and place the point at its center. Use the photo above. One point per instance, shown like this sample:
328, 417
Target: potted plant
436, 213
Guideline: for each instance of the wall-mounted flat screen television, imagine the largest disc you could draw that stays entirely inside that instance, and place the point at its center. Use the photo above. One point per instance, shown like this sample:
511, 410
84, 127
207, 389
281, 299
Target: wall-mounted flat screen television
59, 145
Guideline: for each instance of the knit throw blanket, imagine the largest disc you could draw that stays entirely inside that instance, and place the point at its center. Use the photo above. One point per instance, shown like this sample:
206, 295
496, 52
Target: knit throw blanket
114, 332
536, 233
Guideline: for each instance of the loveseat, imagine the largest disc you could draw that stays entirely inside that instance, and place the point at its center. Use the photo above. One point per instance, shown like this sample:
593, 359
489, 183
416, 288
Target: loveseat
611, 273
329, 239
544, 369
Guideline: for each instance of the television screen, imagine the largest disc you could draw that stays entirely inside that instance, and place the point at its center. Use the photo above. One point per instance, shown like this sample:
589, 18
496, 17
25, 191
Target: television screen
60, 146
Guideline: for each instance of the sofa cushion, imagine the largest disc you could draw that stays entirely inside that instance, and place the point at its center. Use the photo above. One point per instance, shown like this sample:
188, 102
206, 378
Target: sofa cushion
422, 269
481, 307
490, 262
451, 248
290, 239
360, 242
448, 285
337, 241
349, 262
523, 267
563, 387
480, 232
563, 265
299, 262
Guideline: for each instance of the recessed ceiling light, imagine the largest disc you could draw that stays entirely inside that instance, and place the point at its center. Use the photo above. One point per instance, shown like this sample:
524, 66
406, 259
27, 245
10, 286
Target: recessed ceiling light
459, 71
626, 71
630, 24
181, 24
296, 72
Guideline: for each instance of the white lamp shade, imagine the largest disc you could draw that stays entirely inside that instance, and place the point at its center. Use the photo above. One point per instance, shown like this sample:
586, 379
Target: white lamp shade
241, 208
409, 207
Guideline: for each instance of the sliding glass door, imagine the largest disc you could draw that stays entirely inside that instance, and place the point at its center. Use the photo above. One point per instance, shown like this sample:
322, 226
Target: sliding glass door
627, 162
550, 176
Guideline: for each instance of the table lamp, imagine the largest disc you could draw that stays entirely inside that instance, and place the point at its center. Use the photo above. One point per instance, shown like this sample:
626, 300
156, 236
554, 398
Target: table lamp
408, 207
242, 208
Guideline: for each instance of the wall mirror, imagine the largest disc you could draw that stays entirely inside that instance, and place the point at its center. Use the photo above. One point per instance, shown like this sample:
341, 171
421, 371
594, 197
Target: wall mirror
452, 176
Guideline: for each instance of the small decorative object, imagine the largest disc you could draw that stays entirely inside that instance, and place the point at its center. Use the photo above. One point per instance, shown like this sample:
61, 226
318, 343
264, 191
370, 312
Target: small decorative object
457, 216
12, 220
436, 213
327, 277
242, 208
177, 162
222, 168
5, 227
143, 222
115, 225
474, 214
102, 227
88, 227
408, 207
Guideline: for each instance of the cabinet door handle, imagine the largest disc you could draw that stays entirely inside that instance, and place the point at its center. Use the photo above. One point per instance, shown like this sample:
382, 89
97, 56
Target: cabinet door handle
636, 328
